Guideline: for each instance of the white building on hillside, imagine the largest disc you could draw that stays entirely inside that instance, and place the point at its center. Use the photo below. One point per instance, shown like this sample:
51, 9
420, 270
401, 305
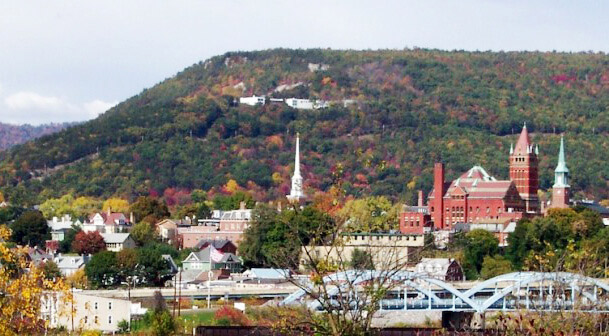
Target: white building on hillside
253, 100
306, 104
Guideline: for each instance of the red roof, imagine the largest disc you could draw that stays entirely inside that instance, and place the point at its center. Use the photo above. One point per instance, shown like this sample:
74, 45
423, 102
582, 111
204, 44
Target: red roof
524, 142
477, 183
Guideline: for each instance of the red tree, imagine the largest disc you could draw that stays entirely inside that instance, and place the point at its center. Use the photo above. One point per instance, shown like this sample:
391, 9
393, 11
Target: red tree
88, 243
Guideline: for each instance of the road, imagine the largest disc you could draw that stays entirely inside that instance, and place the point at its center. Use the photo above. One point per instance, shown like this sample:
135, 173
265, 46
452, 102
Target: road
263, 291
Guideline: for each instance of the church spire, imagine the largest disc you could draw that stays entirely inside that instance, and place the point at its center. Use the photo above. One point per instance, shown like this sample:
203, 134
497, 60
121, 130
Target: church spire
296, 192
561, 172
297, 156
561, 187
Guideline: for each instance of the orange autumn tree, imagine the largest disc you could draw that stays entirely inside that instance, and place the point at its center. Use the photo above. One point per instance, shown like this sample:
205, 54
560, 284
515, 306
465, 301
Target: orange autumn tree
23, 288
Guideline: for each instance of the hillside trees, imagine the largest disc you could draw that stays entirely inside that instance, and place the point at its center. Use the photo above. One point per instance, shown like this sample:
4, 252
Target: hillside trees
412, 107
30, 229
149, 209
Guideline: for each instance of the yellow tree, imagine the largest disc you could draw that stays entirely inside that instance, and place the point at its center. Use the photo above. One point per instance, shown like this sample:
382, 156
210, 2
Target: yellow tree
23, 287
116, 205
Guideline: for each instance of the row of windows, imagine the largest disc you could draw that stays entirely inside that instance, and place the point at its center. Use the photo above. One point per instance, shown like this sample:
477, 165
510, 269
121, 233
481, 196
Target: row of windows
109, 305
96, 319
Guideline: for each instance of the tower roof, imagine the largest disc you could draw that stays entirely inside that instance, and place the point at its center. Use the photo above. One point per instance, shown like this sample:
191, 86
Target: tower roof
561, 167
523, 146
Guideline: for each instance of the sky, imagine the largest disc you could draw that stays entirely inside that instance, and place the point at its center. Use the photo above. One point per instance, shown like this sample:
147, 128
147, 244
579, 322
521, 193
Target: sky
72, 60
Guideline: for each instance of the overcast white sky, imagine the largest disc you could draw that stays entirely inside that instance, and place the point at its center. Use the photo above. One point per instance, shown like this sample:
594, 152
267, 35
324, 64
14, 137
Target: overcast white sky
71, 60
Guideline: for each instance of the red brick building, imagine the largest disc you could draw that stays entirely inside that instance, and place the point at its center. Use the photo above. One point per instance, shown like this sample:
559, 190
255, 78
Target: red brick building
476, 195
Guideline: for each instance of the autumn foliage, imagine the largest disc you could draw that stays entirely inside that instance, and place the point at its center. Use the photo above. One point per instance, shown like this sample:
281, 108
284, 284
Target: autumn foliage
230, 316
88, 243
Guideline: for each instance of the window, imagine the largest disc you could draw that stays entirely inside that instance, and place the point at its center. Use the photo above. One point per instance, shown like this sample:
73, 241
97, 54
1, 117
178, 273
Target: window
96, 320
109, 305
95, 306
110, 319
86, 319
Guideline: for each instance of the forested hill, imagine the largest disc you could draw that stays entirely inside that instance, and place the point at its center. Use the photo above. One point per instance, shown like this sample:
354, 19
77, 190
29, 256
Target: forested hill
412, 108
11, 135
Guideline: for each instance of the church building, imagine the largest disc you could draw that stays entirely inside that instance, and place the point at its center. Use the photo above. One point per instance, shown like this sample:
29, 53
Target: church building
477, 196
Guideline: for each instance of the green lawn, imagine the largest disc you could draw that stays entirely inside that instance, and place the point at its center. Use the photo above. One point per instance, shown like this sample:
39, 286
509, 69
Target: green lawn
199, 317
188, 319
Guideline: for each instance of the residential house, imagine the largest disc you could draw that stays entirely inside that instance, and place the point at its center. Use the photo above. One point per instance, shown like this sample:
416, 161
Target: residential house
440, 268
167, 229
116, 242
200, 260
59, 235
38, 256
65, 222
68, 265
222, 245
108, 222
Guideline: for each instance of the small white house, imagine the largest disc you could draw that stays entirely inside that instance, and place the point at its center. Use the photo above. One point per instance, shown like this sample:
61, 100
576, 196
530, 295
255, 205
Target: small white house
253, 100
116, 242
68, 265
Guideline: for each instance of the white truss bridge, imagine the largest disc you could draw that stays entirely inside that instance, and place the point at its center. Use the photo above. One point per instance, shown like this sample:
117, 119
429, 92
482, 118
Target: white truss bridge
539, 291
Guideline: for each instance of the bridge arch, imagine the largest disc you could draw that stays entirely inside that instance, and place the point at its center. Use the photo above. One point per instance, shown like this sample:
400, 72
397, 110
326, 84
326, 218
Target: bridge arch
418, 282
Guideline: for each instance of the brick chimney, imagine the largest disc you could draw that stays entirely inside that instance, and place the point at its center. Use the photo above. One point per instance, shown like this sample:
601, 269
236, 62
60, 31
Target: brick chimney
438, 197
420, 202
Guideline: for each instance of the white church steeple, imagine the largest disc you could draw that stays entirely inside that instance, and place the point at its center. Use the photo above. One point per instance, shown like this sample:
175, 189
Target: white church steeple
296, 192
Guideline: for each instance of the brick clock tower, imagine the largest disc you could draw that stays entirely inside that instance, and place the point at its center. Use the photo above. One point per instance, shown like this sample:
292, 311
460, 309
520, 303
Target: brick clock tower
524, 170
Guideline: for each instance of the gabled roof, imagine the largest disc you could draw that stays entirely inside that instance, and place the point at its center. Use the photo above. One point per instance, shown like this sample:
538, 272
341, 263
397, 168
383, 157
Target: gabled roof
115, 238
111, 219
477, 183
216, 243
170, 261
71, 262
203, 256
37, 254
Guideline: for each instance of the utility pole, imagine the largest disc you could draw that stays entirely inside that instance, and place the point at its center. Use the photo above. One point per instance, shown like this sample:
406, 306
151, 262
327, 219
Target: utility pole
72, 308
175, 278
180, 294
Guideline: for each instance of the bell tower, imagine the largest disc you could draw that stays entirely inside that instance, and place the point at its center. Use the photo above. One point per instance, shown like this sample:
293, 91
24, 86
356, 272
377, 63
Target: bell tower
524, 170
